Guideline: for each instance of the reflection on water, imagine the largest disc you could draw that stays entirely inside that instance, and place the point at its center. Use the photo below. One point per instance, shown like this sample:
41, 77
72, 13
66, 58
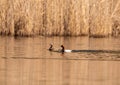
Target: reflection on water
26, 61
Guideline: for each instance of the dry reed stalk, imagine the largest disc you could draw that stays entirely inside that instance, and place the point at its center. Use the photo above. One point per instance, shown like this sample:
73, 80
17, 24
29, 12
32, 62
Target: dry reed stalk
97, 18
115, 17
3, 9
100, 24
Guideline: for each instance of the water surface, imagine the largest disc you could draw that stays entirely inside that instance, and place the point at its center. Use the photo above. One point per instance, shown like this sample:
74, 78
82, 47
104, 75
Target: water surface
26, 61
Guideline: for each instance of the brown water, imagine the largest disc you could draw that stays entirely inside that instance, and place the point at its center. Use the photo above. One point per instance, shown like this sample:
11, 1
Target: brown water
26, 61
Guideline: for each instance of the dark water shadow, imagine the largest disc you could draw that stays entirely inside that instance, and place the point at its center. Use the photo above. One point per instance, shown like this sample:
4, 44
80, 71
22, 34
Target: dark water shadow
97, 51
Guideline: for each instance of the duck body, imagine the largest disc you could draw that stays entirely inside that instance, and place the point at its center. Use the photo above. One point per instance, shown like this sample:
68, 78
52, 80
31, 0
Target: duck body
51, 47
67, 51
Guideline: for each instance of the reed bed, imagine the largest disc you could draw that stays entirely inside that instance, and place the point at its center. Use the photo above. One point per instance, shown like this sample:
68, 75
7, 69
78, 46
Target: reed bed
96, 18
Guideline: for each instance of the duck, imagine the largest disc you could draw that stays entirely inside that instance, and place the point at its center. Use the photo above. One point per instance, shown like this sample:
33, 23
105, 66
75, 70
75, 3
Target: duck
63, 49
51, 47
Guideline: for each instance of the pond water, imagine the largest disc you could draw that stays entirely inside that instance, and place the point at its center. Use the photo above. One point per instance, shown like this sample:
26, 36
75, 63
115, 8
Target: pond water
27, 61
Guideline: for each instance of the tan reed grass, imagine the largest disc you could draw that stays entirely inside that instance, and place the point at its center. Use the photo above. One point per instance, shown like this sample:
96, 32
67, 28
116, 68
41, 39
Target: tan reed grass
96, 18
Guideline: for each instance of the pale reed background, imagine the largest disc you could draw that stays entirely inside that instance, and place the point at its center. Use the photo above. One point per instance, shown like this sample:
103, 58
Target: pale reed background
60, 17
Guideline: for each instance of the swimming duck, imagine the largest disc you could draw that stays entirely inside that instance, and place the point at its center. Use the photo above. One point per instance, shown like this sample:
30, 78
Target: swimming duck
51, 47
63, 49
